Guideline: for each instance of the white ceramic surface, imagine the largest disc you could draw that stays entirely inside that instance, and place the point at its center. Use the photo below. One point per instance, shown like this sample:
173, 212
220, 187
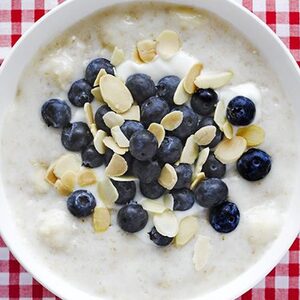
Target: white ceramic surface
70, 13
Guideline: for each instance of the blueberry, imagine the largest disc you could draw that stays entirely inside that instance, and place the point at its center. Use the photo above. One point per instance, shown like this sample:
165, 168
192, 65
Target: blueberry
143, 145
254, 165
184, 199
80, 93
130, 127
166, 88
158, 239
152, 190
240, 111
211, 192
132, 217
95, 66
76, 136
204, 101
126, 191
224, 217
56, 113
169, 150
153, 110
141, 87
213, 168
109, 153
184, 176
189, 122
208, 121
146, 171
81, 203
91, 158
101, 111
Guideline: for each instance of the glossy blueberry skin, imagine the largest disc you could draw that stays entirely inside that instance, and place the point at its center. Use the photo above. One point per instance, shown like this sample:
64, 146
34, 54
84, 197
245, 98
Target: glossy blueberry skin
91, 158
169, 150
224, 217
146, 171
129, 127
189, 122
254, 165
204, 101
56, 113
213, 168
208, 121
152, 190
143, 145
81, 203
126, 191
109, 153
76, 136
153, 110
211, 192
132, 217
184, 176
80, 93
141, 87
240, 111
101, 111
166, 88
95, 66
158, 239
184, 199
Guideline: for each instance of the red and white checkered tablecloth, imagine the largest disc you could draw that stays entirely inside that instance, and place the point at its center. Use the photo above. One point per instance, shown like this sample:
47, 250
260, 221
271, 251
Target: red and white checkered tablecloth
283, 16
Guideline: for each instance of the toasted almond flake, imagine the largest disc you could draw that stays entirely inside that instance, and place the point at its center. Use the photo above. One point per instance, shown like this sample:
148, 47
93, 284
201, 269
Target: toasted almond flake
203, 155
115, 93
98, 141
107, 192
146, 50
136, 57
101, 73
153, 206
168, 44
93, 128
38, 180
62, 189
158, 131
253, 134
198, 178
50, 177
110, 143
181, 96
111, 119
168, 201
220, 114
67, 162
101, 219
190, 151
166, 223
97, 94
172, 120
214, 80
205, 135
86, 177
117, 166
124, 178
168, 177
188, 228
117, 56
69, 180
119, 137
228, 130
202, 251
190, 77
229, 151
89, 115
132, 114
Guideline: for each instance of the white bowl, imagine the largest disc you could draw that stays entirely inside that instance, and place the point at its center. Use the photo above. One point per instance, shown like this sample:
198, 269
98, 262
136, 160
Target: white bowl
69, 13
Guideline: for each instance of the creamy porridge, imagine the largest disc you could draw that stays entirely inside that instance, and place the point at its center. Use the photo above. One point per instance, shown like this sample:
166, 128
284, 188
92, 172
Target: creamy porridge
120, 265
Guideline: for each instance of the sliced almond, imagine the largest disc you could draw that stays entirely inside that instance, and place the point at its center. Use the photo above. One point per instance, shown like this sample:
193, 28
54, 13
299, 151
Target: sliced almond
190, 77
168, 177
67, 162
119, 137
166, 223
111, 119
89, 115
117, 166
198, 178
124, 178
181, 96
153, 206
203, 155
168, 201
62, 189
117, 56
50, 177
146, 50
253, 134
229, 151
136, 57
101, 73
93, 129
228, 130
220, 114
107, 192
213, 80
101, 219
158, 131
132, 114
202, 251
205, 135
172, 120
168, 44
115, 93
86, 177
97, 94
188, 228
190, 151
38, 180
69, 180
110, 143
98, 141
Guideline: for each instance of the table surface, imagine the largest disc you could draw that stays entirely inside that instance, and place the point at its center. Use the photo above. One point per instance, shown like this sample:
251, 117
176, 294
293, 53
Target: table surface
16, 16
